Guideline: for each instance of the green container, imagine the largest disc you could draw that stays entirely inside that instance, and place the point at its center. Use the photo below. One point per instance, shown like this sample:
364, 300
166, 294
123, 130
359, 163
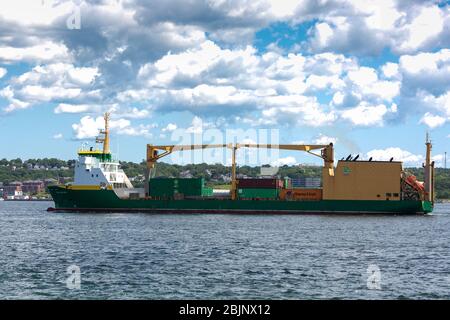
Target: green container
207, 191
261, 193
163, 187
194, 183
167, 187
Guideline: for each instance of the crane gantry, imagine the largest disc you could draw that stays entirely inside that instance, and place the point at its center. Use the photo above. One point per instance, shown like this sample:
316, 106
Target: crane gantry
327, 154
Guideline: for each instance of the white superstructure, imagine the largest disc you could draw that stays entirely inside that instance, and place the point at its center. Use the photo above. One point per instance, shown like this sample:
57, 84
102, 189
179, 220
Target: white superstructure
97, 167
93, 169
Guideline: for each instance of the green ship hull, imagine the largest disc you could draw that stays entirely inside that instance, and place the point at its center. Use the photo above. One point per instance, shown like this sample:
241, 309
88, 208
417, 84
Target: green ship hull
107, 201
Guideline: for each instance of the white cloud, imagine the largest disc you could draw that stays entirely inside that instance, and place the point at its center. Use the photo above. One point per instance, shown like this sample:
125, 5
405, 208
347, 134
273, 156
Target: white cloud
52, 83
209, 78
169, 61
196, 127
323, 139
138, 114
390, 70
426, 26
366, 81
75, 108
89, 128
82, 76
432, 121
396, 153
57, 136
287, 161
3, 72
363, 76
139, 131
323, 34
368, 27
366, 115
170, 127
426, 62
45, 52
426, 73
32, 13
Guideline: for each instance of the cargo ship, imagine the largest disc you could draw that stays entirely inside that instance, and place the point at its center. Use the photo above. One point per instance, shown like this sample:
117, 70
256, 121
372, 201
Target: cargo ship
351, 187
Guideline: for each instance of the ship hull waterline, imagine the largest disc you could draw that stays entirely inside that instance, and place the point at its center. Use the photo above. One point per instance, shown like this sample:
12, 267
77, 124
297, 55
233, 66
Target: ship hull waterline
70, 200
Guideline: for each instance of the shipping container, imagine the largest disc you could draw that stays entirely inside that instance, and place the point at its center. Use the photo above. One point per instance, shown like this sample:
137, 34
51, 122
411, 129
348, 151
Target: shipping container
162, 187
207, 192
301, 194
287, 183
259, 193
192, 183
306, 182
169, 187
259, 183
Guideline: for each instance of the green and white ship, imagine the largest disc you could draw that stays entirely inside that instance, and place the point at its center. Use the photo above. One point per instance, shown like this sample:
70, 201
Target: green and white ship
350, 187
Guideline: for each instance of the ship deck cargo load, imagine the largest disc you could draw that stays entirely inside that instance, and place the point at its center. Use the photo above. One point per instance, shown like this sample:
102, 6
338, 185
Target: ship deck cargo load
168, 188
349, 187
259, 183
255, 193
300, 194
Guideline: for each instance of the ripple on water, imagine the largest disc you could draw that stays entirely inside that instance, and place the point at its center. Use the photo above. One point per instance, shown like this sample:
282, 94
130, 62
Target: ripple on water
150, 256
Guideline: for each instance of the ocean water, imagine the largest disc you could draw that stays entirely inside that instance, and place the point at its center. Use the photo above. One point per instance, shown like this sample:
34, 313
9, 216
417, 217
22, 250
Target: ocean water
156, 256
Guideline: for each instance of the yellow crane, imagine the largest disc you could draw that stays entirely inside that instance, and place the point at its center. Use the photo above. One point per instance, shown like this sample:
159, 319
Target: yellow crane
327, 154
153, 155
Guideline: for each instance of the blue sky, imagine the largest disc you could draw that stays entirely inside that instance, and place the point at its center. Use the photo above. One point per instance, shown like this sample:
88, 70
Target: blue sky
372, 77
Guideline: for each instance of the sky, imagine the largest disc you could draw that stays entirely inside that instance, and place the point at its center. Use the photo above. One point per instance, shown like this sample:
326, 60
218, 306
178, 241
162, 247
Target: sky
373, 77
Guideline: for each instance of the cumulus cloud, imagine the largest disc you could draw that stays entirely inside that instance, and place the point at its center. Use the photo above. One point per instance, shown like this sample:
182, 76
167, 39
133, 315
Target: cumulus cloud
137, 57
287, 161
390, 70
45, 52
432, 121
89, 128
367, 27
170, 127
397, 153
3, 72
425, 85
241, 81
75, 108
368, 115
323, 139
426, 71
52, 82
57, 136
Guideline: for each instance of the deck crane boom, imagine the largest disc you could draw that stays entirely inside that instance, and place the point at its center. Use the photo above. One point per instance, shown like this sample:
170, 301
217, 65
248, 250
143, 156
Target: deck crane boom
153, 155
327, 154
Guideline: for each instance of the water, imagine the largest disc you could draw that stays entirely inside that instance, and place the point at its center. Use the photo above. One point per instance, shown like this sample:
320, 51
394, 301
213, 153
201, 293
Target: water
155, 256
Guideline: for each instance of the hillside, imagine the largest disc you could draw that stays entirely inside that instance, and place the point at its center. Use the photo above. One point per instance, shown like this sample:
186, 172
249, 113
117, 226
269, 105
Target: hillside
217, 174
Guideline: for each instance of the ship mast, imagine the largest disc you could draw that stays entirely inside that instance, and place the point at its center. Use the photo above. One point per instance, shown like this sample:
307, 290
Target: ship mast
429, 172
105, 132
